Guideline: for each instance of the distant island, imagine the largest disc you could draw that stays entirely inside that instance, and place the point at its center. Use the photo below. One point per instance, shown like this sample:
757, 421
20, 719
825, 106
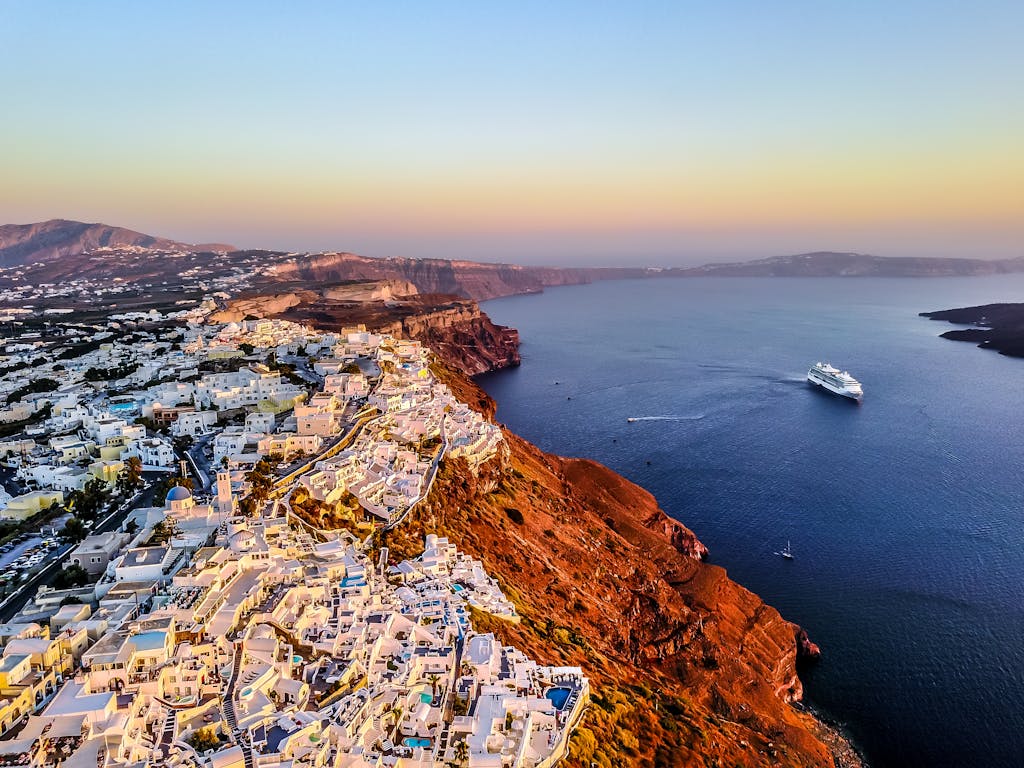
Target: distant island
997, 326
834, 264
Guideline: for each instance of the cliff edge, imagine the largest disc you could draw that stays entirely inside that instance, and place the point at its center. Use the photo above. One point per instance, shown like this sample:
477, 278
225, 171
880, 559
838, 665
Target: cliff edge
456, 329
688, 668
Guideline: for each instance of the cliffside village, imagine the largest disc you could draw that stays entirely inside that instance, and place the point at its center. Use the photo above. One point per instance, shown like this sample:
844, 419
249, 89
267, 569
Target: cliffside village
204, 500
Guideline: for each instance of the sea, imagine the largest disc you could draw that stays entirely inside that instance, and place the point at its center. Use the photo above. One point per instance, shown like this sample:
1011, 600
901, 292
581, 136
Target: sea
905, 514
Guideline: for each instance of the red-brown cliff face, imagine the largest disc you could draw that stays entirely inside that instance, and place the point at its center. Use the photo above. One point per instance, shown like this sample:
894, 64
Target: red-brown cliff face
468, 279
454, 328
461, 335
688, 667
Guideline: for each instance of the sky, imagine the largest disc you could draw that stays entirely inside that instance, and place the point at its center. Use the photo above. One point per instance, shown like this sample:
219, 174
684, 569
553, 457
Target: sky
534, 132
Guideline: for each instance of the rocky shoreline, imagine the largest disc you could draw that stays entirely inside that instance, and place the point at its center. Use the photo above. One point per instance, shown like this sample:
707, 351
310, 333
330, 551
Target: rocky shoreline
996, 326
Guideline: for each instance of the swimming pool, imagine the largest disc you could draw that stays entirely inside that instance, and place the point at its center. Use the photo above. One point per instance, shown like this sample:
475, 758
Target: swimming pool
558, 696
412, 741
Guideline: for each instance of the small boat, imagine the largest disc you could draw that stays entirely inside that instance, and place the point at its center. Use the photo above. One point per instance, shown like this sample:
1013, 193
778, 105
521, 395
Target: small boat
630, 419
787, 553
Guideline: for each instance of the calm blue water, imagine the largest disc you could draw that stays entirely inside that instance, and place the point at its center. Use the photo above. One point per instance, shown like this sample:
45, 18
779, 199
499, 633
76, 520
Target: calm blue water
906, 514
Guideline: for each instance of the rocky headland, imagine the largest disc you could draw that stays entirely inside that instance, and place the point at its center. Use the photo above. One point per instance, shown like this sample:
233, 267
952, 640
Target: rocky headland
996, 326
455, 328
468, 279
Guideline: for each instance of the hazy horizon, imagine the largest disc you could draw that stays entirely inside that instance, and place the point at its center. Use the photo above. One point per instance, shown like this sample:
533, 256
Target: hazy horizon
654, 134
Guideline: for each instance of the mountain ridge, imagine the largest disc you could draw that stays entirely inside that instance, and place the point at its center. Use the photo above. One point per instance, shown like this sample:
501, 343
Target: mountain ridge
60, 249
59, 238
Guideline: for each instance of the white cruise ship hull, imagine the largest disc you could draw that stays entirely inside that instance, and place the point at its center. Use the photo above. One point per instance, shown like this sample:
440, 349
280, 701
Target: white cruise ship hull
835, 390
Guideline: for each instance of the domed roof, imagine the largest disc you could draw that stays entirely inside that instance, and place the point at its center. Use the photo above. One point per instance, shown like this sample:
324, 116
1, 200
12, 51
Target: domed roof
179, 493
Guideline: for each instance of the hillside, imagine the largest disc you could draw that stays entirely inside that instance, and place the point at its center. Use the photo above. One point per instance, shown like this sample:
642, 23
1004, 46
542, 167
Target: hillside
688, 668
59, 238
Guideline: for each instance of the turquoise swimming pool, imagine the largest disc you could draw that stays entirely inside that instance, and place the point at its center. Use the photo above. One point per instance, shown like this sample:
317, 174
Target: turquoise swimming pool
412, 741
558, 696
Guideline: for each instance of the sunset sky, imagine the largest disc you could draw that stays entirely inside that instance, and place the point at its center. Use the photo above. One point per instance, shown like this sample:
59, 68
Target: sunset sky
563, 133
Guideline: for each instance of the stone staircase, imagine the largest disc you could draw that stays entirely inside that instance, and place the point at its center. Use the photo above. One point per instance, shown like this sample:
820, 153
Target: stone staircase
230, 717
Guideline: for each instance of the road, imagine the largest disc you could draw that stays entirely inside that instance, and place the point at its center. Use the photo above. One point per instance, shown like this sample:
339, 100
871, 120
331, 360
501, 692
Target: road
302, 369
196, 458
14, 602
283, 483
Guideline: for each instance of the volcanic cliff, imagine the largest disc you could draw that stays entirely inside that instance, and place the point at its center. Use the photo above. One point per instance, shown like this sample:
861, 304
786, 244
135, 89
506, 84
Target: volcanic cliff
688, 667
455, 328
469, 279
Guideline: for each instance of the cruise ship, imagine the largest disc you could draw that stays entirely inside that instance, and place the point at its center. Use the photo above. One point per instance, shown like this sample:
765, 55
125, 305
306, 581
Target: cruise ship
834, 380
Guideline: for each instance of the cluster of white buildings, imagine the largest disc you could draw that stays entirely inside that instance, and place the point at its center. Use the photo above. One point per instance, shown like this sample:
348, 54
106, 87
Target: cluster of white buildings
278, 646
290, 651
93, 285
91, 443
250, 410
390, 465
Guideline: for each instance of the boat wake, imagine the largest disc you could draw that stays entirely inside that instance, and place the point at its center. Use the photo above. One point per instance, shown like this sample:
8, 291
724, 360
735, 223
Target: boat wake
698, 417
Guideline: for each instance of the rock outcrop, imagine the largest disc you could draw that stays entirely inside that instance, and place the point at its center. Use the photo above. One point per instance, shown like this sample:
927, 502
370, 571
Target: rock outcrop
996, 326
461, 335
455, 328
